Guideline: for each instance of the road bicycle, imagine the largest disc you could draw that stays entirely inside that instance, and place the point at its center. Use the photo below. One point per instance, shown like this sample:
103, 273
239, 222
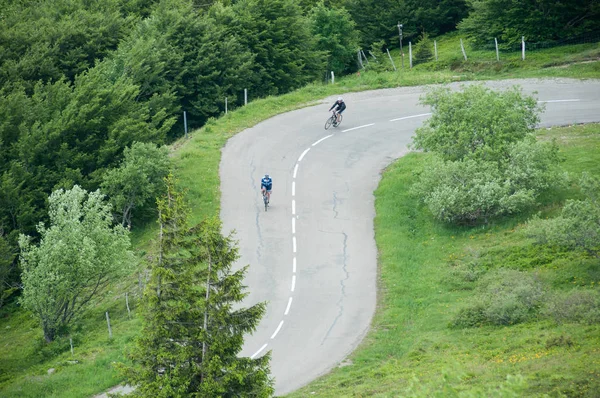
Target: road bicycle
265, 199
332, 121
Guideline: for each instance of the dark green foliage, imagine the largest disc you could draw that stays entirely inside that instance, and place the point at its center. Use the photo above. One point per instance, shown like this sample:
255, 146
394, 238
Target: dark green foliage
68, 134
537, 20
336, 36
8, 270
186, 59
49, 40
279, 38
138, 181
194, 327
378, 20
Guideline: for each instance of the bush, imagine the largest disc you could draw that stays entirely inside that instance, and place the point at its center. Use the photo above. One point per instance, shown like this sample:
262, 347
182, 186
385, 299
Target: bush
579, 306
488, 162
473, 190
505, 297
476, 123
462, 191
578, 226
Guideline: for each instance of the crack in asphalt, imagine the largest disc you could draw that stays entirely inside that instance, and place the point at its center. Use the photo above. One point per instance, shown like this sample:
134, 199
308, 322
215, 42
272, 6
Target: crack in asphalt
259, 247
335, 199
343, 288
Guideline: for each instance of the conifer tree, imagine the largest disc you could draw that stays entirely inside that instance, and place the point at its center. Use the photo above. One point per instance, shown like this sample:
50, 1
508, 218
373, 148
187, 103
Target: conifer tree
193, 326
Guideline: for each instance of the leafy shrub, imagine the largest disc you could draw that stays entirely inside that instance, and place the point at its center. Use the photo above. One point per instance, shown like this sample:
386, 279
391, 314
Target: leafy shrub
468, 191
488, 162
470, 317
505, 297
559, 341
579, 306
476, 123
578, 226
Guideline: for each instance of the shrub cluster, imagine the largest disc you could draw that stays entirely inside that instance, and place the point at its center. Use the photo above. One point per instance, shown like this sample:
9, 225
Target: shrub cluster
577, 227
487, 162
505, 297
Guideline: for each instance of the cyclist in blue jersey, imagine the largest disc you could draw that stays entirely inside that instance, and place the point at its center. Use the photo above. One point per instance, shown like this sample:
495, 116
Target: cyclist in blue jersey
266, 184
339, 106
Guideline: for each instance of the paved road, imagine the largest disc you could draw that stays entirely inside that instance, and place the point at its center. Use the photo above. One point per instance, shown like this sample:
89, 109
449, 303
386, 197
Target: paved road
312, 256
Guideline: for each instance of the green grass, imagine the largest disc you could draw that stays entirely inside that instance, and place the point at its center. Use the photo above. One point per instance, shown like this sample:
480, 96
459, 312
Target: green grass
24, 360
412, 350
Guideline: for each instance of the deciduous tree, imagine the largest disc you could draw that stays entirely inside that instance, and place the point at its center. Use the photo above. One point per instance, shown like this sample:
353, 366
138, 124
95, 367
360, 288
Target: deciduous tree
79, 253
138, 180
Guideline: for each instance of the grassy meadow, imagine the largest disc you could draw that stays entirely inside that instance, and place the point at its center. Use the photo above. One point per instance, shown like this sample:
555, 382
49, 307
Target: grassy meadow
411, 346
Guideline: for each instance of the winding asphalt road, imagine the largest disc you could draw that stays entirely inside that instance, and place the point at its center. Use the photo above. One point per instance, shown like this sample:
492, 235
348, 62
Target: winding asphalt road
312, 256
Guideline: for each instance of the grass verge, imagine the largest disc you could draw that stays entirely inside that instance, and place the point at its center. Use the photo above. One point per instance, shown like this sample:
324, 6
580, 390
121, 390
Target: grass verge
429, 272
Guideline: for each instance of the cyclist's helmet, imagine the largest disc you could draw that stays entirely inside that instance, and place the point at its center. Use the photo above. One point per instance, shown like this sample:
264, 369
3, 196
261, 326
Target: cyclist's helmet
340, 99
266, 176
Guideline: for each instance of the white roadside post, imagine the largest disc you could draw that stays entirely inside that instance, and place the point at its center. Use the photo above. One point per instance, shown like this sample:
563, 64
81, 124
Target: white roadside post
497, 53
523, 47
435, 49
410, 54
185, 123
332, 78
391, 60
109, 329
462, 47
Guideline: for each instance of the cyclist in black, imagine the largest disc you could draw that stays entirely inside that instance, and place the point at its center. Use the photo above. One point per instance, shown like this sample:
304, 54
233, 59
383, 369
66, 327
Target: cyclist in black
339, 106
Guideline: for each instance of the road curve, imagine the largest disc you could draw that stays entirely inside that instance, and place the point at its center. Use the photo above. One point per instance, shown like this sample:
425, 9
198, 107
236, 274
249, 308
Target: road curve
312, 256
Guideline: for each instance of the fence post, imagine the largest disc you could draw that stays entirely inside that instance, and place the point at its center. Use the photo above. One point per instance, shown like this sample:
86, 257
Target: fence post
462, 47
410, 54
332, 78
109, 329
523, 47
127, 303
226, 105
185, 123
360, 62
364, 56
435, 49
391, 60
71, 341
245, 96
497, 53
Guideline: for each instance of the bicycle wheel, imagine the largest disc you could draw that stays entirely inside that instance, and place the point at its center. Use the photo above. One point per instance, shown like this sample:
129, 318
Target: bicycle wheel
329, 122
266, 202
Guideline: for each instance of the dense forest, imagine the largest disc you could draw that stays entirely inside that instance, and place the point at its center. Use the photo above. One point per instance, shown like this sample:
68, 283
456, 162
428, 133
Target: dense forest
82, 81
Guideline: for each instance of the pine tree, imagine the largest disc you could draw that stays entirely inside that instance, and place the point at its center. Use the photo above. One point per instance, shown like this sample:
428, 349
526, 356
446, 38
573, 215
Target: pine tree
192, 333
